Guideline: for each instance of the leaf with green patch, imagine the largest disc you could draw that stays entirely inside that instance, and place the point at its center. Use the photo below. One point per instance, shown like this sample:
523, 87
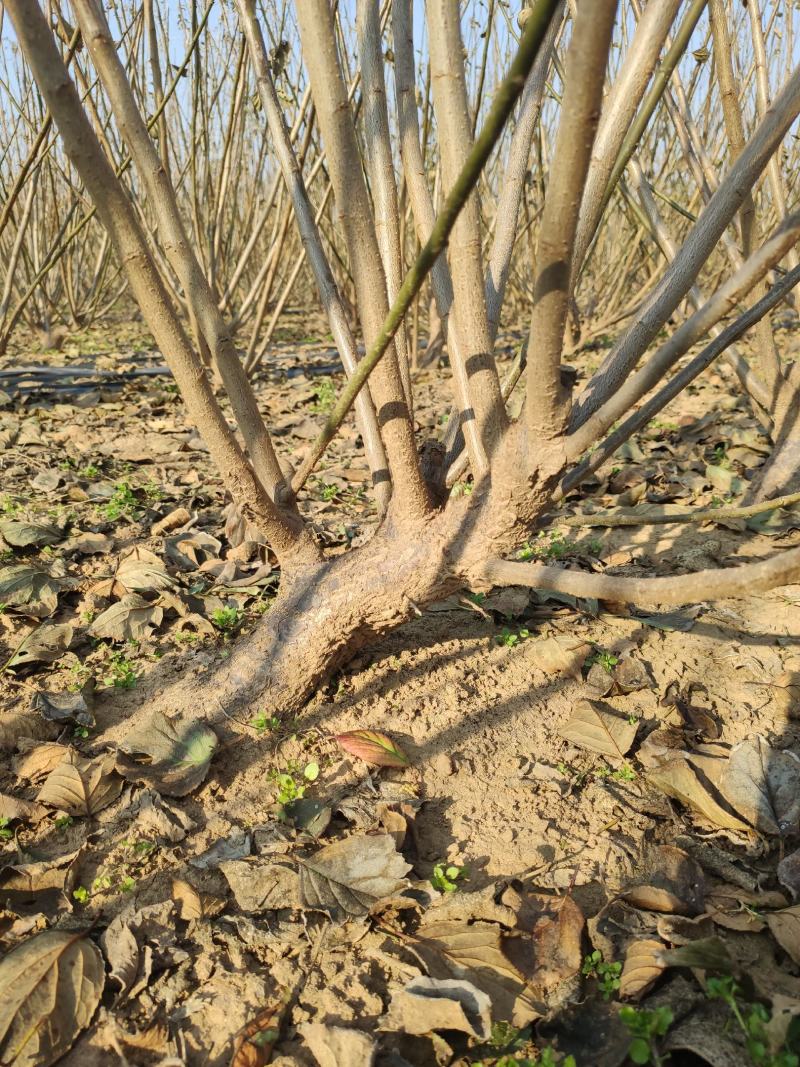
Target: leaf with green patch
170, 756
375, 748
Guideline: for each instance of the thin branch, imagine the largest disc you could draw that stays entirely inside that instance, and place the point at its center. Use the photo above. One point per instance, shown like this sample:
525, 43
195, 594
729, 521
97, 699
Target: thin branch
717, 215
671, 515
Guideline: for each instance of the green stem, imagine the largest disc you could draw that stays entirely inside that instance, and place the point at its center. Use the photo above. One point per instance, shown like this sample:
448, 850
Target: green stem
502, 105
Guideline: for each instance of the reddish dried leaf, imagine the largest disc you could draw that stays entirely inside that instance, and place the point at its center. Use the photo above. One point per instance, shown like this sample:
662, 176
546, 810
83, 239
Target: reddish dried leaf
374, 748
253, 1045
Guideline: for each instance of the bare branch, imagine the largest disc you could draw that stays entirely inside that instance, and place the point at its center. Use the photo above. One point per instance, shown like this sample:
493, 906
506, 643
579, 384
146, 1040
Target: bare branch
716, 584
309, 232
717, 214
115, 211
547, 403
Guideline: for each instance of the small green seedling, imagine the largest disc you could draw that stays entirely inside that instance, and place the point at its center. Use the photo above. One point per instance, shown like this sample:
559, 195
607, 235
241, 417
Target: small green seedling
752, 1020
6, 833
265, 723
549, 1058
547, 546
81, 894
122, 673
645, 1028
511, 638
328, 491
63, 821
291, 782
122, 502
324, 398
607, 975
607, 660
446, 877
226, 619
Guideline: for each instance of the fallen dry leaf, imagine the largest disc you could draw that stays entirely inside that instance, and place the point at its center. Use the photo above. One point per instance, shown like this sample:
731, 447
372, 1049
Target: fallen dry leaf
680, 780
350, 877
762, 784
673, 883
599, 728
259, 885
69, 708
41, 884
45, 644
141, 571
428, 1004
14, 809
252, 1046
784, 926
789, 873
335, 1046
642, 968
39, 760
707, 954
474, 952
192, 904
131, 619
557, 945
30, 588
373, 747
80, 786
132, 942
23, 534
561, 654
50, 987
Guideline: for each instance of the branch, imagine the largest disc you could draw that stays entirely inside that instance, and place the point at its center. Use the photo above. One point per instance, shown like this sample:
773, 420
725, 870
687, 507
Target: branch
702, 239
502, 105
424, 218
116, 212
678, 382
507, 212
664, 516
312, 242
619, 110
716, 584
688, 333
380, 166
318, 37
547, 402
455, 139
180, 254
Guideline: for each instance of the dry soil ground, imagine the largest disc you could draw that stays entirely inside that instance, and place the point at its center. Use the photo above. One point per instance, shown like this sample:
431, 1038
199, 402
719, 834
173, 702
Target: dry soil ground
588, 787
